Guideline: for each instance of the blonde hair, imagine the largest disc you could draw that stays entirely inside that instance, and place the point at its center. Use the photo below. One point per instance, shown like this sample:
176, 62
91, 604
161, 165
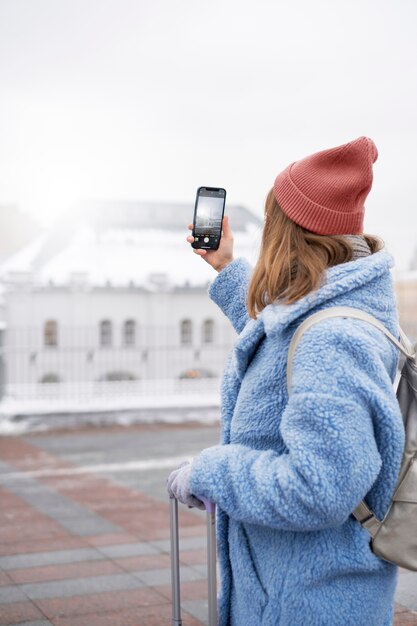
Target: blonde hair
292, 260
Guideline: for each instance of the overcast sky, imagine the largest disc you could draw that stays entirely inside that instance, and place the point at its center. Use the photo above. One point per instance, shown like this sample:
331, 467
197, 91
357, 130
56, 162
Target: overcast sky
149, 99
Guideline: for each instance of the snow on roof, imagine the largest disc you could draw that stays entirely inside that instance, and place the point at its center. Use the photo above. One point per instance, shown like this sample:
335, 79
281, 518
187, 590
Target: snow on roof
138, 245
160, 215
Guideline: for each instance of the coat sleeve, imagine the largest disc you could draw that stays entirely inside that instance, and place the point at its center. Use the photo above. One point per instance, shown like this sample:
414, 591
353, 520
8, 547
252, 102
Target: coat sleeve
340, 383
229, 291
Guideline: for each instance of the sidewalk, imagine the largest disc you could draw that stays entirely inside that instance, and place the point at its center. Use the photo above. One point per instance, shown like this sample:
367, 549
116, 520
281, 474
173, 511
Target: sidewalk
82, 545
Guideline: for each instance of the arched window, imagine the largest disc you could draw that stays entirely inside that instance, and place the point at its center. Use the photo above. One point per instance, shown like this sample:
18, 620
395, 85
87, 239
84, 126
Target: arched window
50, 334
196, 374
129, 333
117, 376
186, 331
208, 331
50, 378
106, 333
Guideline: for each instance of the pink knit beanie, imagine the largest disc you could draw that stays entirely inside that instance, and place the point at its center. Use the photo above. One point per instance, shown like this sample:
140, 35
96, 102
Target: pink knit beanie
326, 191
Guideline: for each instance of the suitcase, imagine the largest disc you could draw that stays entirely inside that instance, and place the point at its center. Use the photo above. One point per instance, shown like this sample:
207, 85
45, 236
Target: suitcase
211, 563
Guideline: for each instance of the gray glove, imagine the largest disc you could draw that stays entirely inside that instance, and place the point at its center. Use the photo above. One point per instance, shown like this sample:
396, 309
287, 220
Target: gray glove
178, 486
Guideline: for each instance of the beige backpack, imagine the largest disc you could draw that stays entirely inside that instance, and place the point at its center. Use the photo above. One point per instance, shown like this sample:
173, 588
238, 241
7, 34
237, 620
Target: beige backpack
393, 538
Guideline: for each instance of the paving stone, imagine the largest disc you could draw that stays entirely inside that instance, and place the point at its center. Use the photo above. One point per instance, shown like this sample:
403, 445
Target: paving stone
66, 542
129, 549
143, 616
22, 524
146, 531
193, 557
121, 618
198, 609
72, 516
81, 586
20, 515
86, 525
24, 455
19, 612
187, 543
121, 443
198, 530
110, 539
163, 576
10, 502
38, 622
100, 603
5, 580
406, 593
11, 594
193, 590
139, 563
154, 533
63, 571
49, 558
200, 568
404, 617
28, 532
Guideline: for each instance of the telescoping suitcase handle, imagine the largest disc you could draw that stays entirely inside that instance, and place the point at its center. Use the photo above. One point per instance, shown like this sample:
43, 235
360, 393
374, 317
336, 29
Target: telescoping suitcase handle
211, 563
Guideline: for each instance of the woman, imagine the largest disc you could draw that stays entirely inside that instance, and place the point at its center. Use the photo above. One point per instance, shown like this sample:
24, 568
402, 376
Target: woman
290, 471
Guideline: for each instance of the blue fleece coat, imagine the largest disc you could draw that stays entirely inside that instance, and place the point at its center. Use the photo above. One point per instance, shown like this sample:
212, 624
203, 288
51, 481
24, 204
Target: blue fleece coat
288, 473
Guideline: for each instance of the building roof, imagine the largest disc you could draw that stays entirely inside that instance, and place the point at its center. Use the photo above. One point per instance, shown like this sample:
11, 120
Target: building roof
124, 243
171, 216
17, 229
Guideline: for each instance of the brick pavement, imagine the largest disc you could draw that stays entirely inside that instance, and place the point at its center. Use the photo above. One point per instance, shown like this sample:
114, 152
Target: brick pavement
86, 550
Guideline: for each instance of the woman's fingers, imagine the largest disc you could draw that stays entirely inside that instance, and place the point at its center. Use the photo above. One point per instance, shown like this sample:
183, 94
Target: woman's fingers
190, 238
227, 231
221, 257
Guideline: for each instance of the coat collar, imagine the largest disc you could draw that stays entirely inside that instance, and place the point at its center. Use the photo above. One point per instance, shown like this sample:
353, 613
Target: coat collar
247, 344
340, 280
275, 318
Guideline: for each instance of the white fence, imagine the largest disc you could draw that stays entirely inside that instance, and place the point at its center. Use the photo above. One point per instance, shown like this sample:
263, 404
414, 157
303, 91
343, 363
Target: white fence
161, 371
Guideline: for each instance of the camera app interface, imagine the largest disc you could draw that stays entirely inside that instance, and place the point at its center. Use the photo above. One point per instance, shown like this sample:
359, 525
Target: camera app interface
208, 220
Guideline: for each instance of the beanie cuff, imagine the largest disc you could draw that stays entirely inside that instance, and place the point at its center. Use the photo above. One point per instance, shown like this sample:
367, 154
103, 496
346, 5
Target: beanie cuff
312, 216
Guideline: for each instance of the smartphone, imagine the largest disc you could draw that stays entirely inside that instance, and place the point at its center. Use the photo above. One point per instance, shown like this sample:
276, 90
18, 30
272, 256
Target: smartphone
208, 216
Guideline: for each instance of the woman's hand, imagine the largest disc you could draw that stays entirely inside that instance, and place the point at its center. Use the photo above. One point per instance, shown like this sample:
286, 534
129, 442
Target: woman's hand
221, 257
178, 486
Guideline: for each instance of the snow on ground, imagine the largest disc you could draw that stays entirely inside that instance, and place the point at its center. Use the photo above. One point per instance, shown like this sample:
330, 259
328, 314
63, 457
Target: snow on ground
18, 417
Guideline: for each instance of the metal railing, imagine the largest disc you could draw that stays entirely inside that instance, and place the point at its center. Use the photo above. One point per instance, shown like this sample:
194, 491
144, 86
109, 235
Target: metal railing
78, 367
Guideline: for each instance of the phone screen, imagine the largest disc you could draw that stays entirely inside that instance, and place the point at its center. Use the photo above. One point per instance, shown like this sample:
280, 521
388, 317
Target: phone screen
208, 217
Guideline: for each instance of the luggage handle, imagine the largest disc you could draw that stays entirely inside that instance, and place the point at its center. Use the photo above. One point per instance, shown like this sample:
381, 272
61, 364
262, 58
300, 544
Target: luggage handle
211, 562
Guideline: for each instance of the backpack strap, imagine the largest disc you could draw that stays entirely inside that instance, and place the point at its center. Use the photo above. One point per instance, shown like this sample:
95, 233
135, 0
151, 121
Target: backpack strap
404, 345
362, 512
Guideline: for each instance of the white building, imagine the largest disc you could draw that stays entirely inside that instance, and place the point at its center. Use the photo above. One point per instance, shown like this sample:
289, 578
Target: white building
111, 308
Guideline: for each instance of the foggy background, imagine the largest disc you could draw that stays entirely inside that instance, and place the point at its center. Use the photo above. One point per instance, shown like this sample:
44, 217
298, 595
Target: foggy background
147, 100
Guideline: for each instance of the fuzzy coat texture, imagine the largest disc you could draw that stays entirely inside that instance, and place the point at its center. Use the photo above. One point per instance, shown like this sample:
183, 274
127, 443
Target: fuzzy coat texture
288, 473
